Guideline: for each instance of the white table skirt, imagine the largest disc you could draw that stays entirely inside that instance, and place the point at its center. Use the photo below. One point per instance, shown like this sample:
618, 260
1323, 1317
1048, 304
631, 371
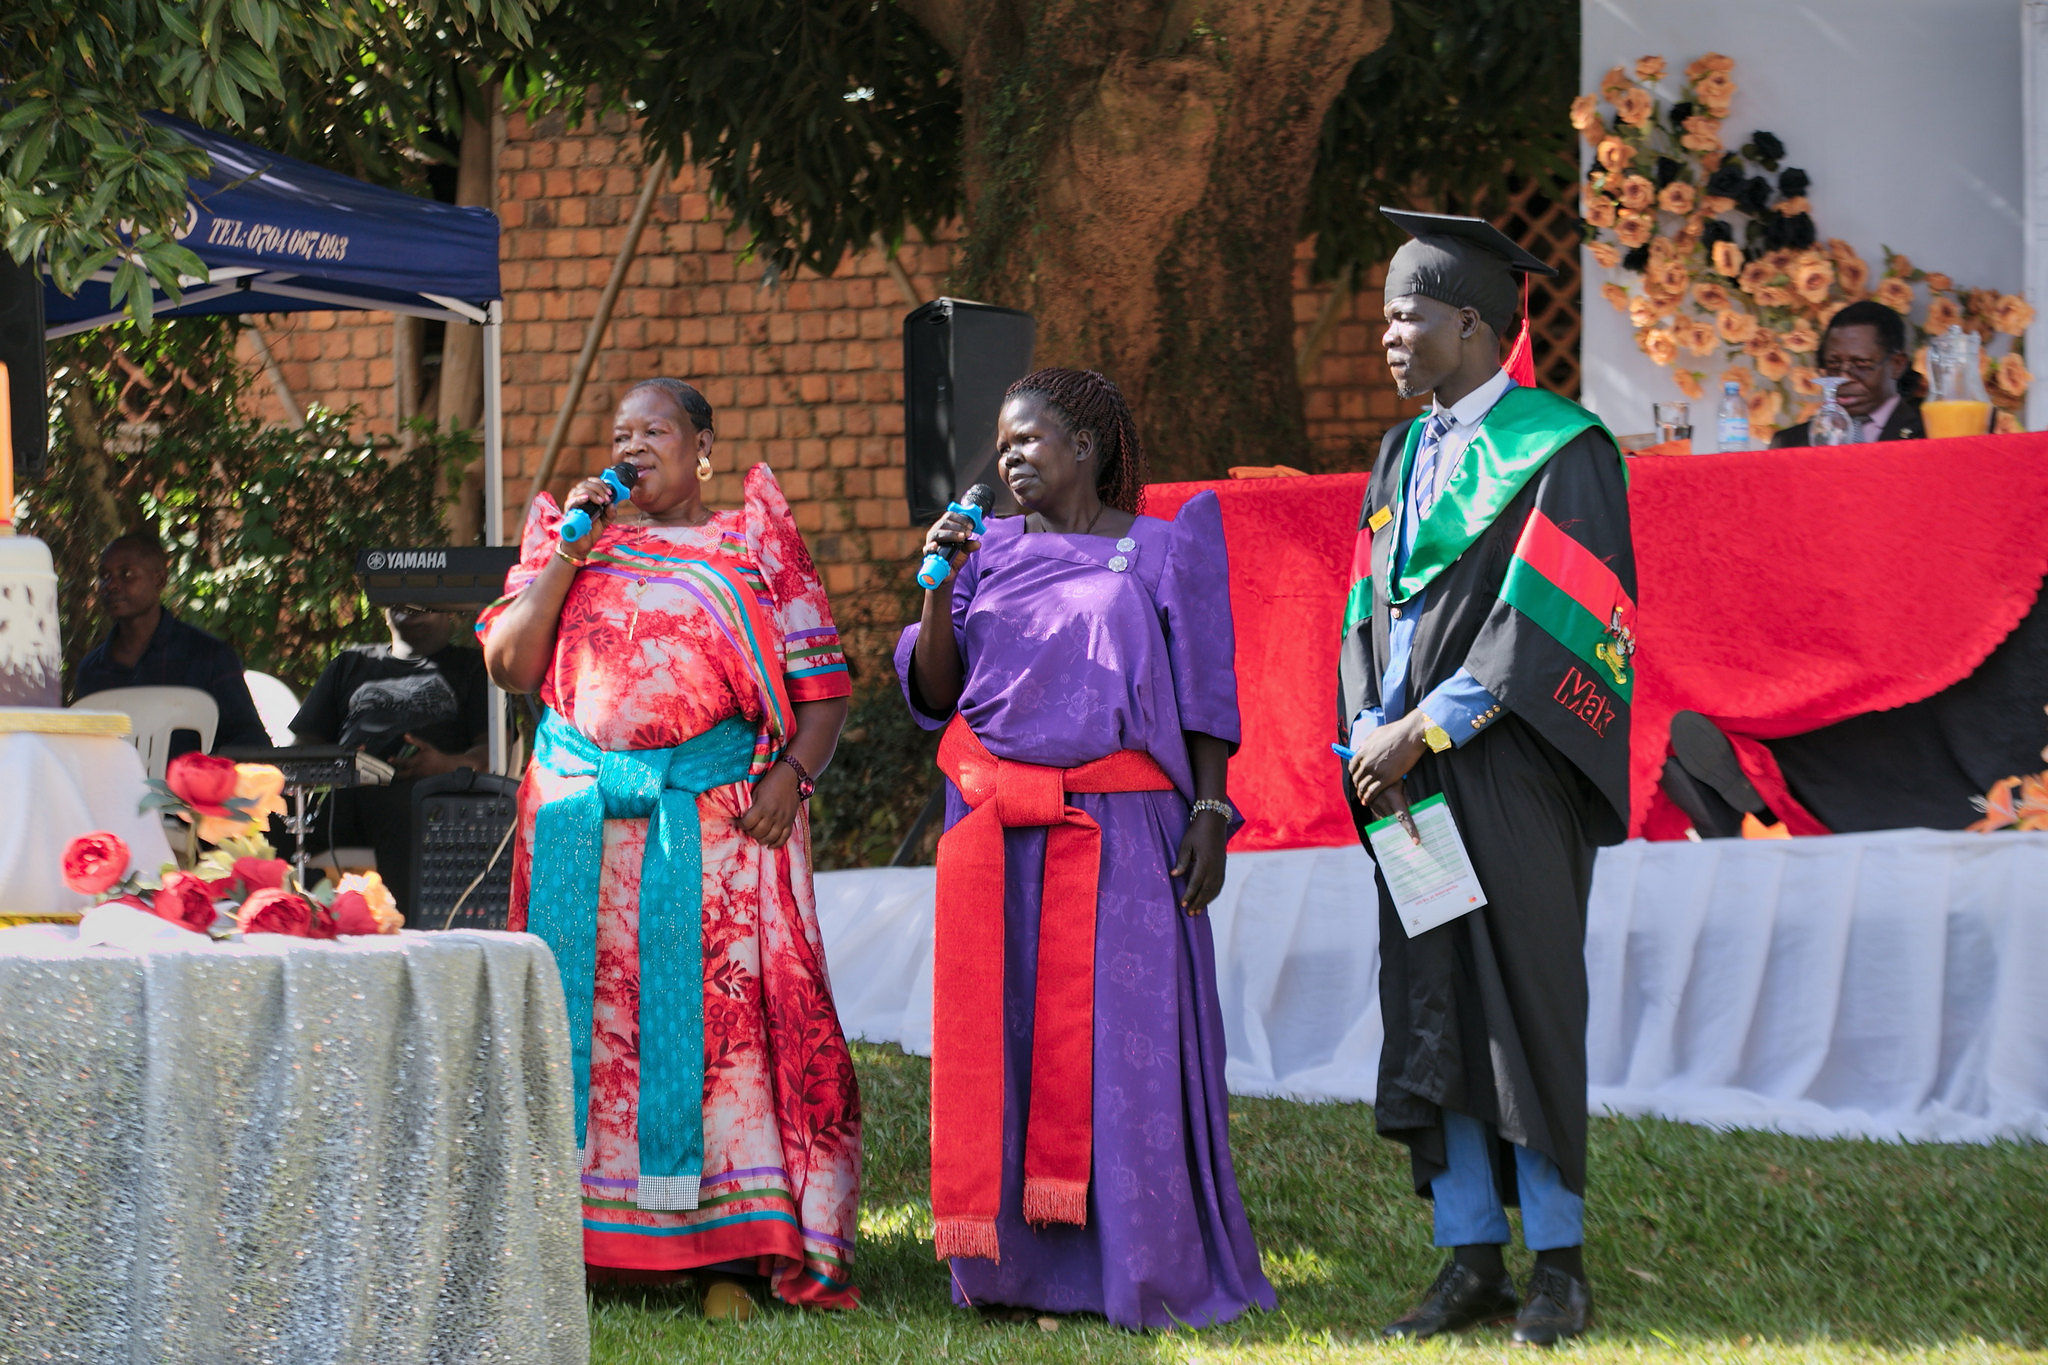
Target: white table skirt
1884, 985
54, 788
290, 1152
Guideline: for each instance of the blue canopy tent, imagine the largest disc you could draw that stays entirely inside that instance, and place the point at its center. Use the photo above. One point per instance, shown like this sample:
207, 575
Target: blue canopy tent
284, 236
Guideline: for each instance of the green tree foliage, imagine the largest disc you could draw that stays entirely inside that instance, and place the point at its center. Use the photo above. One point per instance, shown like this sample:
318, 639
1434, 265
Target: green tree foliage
90, 184
1463, 95
262, 522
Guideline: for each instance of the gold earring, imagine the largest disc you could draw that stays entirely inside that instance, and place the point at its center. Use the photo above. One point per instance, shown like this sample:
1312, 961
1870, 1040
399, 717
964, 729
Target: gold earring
703, 469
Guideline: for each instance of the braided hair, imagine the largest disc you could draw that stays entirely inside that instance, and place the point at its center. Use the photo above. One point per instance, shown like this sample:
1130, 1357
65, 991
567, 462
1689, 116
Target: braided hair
688, 401
1085, 400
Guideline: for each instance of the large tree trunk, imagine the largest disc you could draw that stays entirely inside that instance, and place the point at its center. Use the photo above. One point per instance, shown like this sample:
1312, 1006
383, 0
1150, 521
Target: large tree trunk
461, 388
1135, 176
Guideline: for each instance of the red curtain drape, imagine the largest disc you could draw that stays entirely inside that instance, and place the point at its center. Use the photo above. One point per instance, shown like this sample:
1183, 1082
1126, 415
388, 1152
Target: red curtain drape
1778, 591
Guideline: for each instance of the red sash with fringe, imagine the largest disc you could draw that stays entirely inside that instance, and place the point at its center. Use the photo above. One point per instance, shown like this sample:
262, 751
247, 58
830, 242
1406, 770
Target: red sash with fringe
967, 989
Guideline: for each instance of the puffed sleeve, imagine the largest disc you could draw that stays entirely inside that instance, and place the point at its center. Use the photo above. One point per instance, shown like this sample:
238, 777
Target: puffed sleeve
1194, 604
965, 579
813, 663
536, 542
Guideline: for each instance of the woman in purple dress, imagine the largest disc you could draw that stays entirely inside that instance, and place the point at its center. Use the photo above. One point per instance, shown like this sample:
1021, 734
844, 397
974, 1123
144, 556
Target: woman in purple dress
1081, 660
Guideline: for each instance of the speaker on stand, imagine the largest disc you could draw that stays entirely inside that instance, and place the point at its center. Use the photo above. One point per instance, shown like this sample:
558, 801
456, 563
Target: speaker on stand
958, 358
21, 346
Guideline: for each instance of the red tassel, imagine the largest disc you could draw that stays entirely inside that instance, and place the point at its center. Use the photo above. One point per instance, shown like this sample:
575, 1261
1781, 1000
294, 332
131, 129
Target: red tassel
966, 1237
1522, 358
1047, 1200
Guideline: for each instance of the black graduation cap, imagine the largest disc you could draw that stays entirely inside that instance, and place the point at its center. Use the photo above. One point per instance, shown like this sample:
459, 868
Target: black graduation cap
1465, 262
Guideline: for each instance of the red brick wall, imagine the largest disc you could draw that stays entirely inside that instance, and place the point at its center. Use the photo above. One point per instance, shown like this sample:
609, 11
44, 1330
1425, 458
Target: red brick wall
805, 375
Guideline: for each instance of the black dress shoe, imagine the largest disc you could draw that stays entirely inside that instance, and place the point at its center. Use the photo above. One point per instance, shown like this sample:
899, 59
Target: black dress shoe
1558, 1306
1459, 1298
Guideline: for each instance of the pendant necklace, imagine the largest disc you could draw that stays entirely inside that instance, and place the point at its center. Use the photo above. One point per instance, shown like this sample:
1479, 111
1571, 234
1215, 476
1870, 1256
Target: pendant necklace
633, 625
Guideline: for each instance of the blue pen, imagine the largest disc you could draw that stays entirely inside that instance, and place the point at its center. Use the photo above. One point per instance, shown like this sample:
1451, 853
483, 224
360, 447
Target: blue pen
1342, 752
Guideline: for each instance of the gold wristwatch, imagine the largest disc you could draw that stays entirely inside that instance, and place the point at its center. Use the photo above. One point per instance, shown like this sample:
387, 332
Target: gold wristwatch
1435, 736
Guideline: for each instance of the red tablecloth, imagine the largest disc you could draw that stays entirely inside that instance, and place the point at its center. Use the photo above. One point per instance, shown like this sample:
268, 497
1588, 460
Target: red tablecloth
1778, 591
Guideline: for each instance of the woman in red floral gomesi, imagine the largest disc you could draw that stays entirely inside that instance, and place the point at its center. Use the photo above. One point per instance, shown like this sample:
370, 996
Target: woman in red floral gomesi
694, 689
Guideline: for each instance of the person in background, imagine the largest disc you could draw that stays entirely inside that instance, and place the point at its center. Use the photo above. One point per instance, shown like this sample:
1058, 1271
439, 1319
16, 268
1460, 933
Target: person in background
419, 703
1865, 344
149, 647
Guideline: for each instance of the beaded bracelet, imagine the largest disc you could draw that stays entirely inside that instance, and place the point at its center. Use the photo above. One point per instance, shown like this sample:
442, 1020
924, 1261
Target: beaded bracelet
1218, 807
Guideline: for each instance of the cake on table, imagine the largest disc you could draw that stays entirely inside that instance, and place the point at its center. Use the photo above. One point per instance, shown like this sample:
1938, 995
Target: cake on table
31, 659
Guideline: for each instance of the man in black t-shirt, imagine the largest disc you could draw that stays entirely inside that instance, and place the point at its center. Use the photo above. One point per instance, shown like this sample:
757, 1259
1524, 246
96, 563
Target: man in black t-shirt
420, 704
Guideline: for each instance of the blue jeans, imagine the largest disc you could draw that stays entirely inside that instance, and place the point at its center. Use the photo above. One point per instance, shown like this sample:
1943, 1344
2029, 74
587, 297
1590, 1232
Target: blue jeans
1468, 1207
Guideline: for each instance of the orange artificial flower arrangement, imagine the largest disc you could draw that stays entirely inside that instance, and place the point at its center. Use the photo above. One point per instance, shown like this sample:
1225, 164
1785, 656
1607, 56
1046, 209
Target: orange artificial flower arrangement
2014, 803
1727, 259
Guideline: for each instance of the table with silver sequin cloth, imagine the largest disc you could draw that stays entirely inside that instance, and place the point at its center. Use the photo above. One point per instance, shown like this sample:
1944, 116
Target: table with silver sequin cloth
284, 1152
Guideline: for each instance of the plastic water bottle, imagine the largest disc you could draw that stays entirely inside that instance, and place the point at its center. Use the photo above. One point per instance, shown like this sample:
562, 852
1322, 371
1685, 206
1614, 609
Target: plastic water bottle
1732, 431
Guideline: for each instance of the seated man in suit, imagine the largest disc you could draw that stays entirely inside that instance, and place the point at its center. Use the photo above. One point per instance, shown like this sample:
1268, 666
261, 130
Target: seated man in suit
149, 647
1865, 344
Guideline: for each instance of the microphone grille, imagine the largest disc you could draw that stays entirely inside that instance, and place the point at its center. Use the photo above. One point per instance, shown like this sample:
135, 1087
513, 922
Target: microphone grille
981, 495
628, 473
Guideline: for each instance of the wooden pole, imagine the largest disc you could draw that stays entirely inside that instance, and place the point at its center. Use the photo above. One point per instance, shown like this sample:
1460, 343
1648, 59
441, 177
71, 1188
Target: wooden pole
657, 176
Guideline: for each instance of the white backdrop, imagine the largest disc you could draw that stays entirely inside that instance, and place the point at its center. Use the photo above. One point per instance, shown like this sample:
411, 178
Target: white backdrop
1908, 114
1883, 985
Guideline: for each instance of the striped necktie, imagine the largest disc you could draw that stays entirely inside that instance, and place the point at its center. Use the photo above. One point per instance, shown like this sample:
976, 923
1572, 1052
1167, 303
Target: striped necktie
1427, 475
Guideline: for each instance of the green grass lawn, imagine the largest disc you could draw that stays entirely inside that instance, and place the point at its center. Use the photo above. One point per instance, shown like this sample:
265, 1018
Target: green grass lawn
1701, 1245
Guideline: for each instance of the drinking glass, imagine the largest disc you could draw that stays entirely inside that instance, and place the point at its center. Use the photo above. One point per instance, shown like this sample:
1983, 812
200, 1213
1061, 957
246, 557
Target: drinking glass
1832, 425
1674, 421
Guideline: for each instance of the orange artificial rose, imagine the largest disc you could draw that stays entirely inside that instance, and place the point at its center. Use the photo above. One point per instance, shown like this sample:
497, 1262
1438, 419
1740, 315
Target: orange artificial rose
1788, 208
1604, 255
1773, 364
1615, 295
1600, 213
1802, 381
2004, 424
1634, 106
1942, 314
1735, 326
1709, 63
1981, 303
1739, 375
1755, 276
1825, 314
1839, 251
1781, 260
2012, 375
1586, 115
1677, 197
1649, 68
1775, 296
1670, 279
1663, 251
1896, 264
1694, 229
1759, 341
1811, 280
1727, 259
263, 787
1614, 155
1714, 205
1643, 311
1614, 83
1637, 193
1895, 294
1701, 134
1939, 283
2012, 315
1633, 230
1764, 406
1696, 336
1688, 383
1715, 91
1854, 277
1800, 340
1711, 296
1660, 345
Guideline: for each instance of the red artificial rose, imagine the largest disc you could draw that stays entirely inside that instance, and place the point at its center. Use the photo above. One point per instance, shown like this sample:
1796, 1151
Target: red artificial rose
261, 874
352, 914
93, 862
276, 911
203, 782
185, 899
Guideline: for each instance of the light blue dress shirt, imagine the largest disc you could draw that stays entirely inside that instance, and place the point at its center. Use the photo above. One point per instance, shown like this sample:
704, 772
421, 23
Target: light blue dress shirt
1459, 704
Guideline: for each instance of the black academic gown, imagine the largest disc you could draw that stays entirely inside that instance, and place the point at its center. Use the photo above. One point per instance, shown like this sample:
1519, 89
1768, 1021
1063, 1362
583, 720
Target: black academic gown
1486, 1015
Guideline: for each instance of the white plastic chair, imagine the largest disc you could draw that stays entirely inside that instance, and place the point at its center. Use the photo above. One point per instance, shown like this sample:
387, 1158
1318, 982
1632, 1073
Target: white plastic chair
276, 704
154, 713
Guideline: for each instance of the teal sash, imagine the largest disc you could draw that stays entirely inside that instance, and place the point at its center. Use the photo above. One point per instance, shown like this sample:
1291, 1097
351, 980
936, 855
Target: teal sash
660, 786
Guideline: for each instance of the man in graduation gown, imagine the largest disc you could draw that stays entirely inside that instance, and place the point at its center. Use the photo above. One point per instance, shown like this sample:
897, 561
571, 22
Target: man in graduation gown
1487, 657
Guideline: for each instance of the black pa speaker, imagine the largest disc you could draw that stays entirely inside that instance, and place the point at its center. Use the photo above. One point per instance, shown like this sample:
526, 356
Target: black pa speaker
958, 358
462, 826
21, 346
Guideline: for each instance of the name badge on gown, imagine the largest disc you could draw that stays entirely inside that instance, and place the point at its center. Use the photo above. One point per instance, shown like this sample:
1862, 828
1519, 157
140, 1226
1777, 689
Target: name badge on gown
1432, 882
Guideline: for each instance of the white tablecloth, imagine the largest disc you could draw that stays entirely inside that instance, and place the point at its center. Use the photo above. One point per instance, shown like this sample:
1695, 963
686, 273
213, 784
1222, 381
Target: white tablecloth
54, 788
287, 1152
1887, 985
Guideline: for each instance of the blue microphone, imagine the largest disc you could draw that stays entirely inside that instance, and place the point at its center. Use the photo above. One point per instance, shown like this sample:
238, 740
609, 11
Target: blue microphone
621, 476
974, 506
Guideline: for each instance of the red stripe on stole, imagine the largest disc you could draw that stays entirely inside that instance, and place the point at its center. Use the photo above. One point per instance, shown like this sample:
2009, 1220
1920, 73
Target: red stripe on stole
1361, 554
1545, 548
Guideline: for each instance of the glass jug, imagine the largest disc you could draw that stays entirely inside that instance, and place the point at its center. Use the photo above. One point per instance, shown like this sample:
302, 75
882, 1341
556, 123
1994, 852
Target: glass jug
1956, 403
